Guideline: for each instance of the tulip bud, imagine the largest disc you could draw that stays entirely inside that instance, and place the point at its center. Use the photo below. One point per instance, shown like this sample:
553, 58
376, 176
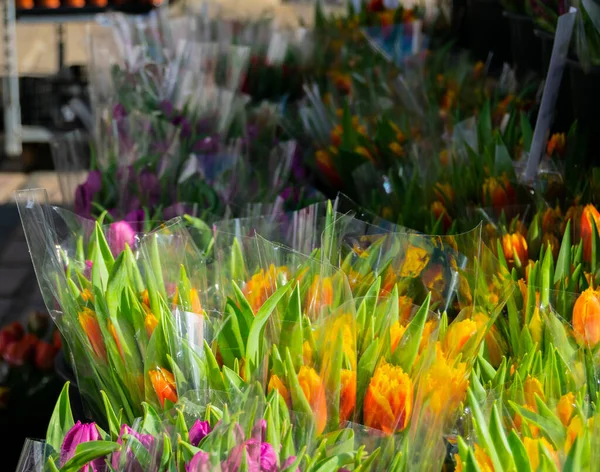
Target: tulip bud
44, 356
120, 234
80, 433
586, 318
163, 382
198, 431
20, 352
515, 246
589, 213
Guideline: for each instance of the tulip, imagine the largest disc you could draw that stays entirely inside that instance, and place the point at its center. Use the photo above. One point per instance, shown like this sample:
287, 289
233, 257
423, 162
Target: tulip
575, 429
484, 462
347, 394
56, 340
288, 462
163, 382
556, 144
120, 234
150, 323
515, 246
199, 463
132, 465
589, 213
389, 399
198, 431
275, 383
320, 295
314, 392
261, 286
439, 211
261, 457
532, 388
499, 192
327, 167
586, 318
444, 193
44, 356
10, 334
565, 408
89, 323
85, 193
446, 384
532, 446
22, 351
80, 433
457, 335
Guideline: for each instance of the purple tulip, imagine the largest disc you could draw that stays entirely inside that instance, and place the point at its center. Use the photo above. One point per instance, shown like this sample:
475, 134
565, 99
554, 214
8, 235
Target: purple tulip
199, 431
288, 462
166, 107
88, 269
207, 145
136, 219
260, 456
78, 434
119, 234
182, 122
119, 112
298, 169
177, 209
84, 194
199, 463
147, 440
259, 431
149, 186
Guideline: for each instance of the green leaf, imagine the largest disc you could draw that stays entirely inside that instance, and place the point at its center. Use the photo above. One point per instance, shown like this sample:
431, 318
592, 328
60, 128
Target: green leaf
500, 440
114, 425
519, 453
87, 452
291, 336
408, 346
261, 318
526, 132
151, 423
483, 432
61, 421
563, 264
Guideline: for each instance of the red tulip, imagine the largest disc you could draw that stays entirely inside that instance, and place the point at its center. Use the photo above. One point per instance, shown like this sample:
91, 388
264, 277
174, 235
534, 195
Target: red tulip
19, 352
44, 356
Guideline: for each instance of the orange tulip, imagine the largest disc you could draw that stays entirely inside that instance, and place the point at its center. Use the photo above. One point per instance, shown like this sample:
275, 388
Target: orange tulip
515, 244
327, 167
589, 213
550, 219
113, 333
498, 192
551, 241
389, 399
150, 323
89, 323
347, 394
396, 333
483, 461
320, 294
458, 335
557, 144
565, 408
260, 287
275, 383
586, 318
532, 388
444, 193
532, 446
314, 392
163, 382
575, 429
439, 211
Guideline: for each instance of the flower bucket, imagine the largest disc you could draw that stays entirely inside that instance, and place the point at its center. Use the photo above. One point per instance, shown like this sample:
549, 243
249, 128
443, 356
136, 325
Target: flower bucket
525, 46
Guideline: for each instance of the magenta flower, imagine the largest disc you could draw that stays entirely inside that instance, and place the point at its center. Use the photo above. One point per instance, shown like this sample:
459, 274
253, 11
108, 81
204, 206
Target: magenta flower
84, 194
288, 462
136, 219
260, 457
78, 434
199, 431
132, 465
119, 234
199, 463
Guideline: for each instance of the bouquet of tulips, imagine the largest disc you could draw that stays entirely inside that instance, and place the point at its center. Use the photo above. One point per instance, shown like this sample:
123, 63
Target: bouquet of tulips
333, 333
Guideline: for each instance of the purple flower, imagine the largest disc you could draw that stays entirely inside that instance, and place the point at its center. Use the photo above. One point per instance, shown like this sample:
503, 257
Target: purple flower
259, 431
78, 434
298, 169
119, 112
260, 457
147, 440
199, 463
208, 145
177, 209
288, 462
198, 431
184, 124
84, 194
166, 107
149, 186
136, 219
119, 234
88, 269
